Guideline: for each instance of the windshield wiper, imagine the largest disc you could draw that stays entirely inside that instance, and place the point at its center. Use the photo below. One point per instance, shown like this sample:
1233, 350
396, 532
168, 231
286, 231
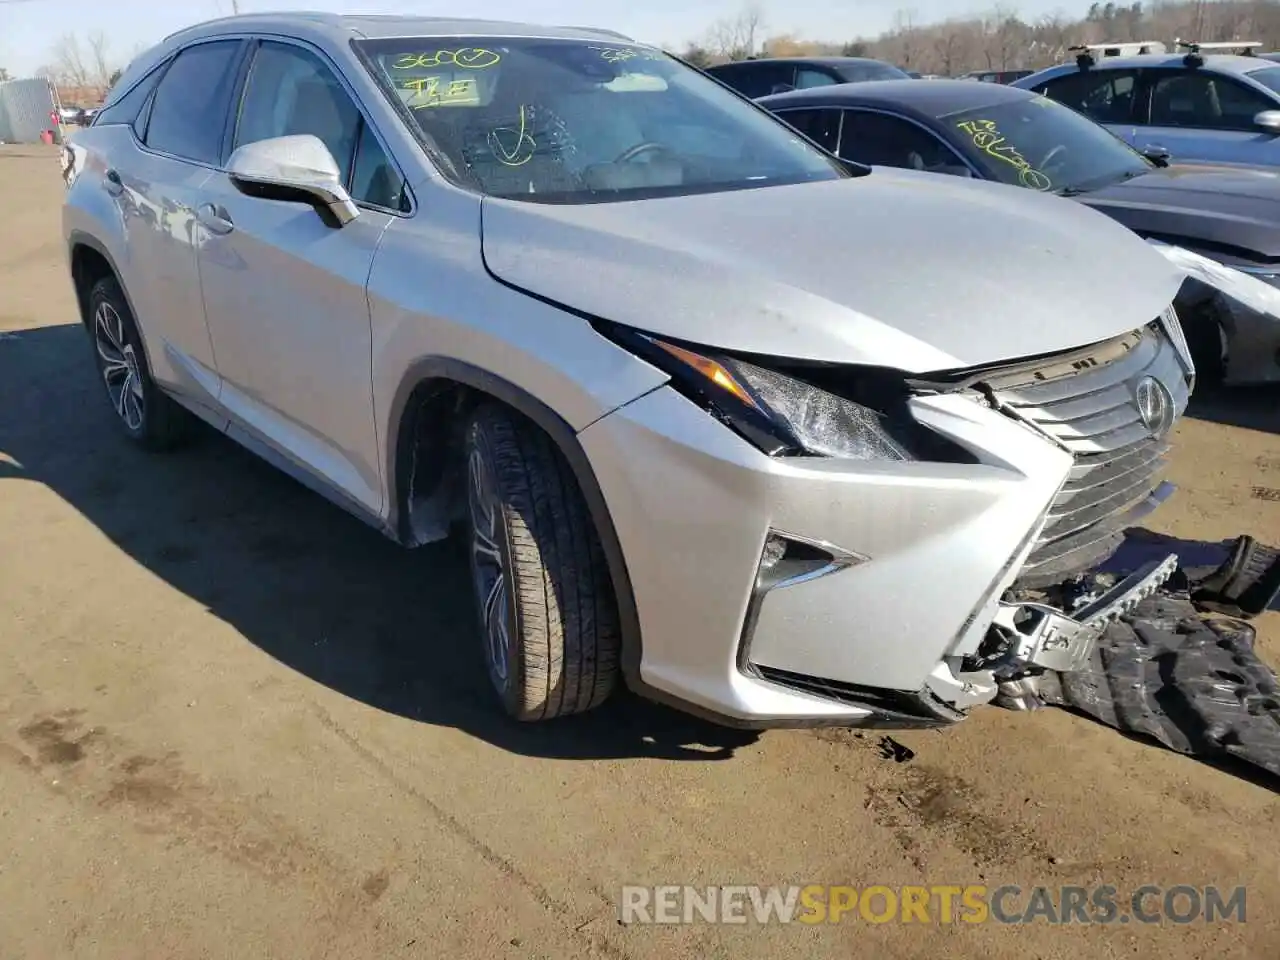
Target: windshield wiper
1088, 187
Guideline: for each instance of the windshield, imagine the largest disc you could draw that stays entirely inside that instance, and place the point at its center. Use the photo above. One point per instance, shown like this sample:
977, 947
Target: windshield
1041, 144
572, 121
1269, 77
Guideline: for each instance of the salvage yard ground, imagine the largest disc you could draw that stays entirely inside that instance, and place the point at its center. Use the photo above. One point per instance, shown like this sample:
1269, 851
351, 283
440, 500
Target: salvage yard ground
236, 723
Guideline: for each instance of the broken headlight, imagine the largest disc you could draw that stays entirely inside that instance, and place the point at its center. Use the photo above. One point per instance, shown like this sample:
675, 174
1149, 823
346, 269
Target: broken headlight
785, 412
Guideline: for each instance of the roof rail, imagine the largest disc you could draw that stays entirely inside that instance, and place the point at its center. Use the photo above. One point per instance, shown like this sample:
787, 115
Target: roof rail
1087, 54
1196, 50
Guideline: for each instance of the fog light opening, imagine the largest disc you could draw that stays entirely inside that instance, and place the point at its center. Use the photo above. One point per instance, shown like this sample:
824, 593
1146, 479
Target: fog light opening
788, 560
785, 561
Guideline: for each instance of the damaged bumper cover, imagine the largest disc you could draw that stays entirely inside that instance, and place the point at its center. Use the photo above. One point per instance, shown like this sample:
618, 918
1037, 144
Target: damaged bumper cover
1245, 300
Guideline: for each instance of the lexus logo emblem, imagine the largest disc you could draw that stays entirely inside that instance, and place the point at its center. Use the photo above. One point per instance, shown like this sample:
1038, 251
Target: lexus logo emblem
1155, 405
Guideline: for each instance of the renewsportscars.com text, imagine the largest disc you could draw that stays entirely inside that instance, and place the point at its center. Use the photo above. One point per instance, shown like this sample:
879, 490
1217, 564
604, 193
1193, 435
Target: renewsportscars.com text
972, 904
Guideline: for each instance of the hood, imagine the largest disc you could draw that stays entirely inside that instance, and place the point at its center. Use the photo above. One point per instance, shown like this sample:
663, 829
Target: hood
1236, 207
908, 270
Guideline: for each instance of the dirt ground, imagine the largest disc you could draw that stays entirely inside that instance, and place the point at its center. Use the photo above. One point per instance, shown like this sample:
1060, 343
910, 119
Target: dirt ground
235, 722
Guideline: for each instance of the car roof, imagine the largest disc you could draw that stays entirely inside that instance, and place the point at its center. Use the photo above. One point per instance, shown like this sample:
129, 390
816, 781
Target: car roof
934, 98
371, 26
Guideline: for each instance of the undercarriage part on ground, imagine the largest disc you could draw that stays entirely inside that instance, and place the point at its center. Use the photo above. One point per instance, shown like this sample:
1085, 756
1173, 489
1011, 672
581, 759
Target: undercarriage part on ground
1169, 671
1194, 684
1245, 585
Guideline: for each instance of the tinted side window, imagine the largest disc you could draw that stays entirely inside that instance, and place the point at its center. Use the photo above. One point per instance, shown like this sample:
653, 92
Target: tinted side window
1106, 97
820, 126
1204, 100
373, 177
758, 79
290, 91
127, 108
878, 139
189, 112
808, 77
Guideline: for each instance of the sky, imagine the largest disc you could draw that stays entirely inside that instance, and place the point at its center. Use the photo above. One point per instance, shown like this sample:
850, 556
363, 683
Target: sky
29, 29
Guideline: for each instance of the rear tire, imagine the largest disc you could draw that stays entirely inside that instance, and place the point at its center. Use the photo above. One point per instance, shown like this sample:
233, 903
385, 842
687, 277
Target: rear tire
148, 416
547, 609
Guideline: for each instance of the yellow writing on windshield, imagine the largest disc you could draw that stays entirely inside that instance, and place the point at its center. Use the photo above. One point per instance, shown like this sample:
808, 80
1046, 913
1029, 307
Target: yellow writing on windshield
987, 137
623, 54
512, 146
469, 58
434, 92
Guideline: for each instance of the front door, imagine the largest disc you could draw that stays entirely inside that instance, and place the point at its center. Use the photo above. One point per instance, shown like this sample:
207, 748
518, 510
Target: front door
284, 293
1207, 118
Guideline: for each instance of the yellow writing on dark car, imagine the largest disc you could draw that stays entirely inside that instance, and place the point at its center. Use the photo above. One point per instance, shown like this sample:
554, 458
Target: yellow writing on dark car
469, 58
986, 136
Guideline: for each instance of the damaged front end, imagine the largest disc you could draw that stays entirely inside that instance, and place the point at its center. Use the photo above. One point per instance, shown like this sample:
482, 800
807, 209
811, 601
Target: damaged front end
1105, 618
1111, 406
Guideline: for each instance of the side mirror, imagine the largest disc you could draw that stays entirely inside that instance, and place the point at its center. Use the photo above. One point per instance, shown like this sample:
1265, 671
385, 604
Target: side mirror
1157, 155
297, 169
1268, 120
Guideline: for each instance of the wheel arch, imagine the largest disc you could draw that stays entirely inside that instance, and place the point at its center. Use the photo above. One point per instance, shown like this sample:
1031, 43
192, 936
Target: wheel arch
434, 396
91, 261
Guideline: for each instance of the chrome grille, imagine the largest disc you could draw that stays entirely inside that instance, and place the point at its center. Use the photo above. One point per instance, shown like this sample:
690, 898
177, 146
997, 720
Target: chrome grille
1087, 401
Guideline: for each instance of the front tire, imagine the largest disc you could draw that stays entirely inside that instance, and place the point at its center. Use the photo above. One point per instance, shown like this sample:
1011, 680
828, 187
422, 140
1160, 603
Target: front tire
148, 416
547, 610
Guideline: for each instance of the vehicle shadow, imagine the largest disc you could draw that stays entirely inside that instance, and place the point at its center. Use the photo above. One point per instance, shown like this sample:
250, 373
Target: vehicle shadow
311, 586
1253, 408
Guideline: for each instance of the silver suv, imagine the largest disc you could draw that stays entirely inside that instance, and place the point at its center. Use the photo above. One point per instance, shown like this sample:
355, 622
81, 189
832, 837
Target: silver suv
771, 437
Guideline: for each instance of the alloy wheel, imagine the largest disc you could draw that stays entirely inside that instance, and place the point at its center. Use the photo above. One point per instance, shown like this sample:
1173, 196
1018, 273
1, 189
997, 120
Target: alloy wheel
120, 370
488, 571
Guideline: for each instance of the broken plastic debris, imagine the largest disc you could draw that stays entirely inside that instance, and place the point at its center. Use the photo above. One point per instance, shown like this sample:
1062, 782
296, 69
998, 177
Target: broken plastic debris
1253, 293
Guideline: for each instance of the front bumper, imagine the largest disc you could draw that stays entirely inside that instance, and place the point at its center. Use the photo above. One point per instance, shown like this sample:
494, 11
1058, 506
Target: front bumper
930, 550
693, 505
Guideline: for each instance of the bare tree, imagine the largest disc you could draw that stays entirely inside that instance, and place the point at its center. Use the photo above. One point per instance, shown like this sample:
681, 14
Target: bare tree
100, 66
1007, 38
945, 44
736, 38
4, 75
1054, 35
906, 38
69, 63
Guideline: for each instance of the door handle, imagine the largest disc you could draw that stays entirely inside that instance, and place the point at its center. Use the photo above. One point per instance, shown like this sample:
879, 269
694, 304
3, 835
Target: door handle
215, 219
114, 185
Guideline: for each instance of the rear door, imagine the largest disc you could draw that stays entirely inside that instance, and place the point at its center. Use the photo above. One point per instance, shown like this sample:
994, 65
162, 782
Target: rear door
158, 186
285, 293
1201, 116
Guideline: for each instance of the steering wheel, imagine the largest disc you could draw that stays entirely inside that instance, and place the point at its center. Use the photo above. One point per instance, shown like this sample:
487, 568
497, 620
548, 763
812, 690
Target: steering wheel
1049, 157
630, 154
